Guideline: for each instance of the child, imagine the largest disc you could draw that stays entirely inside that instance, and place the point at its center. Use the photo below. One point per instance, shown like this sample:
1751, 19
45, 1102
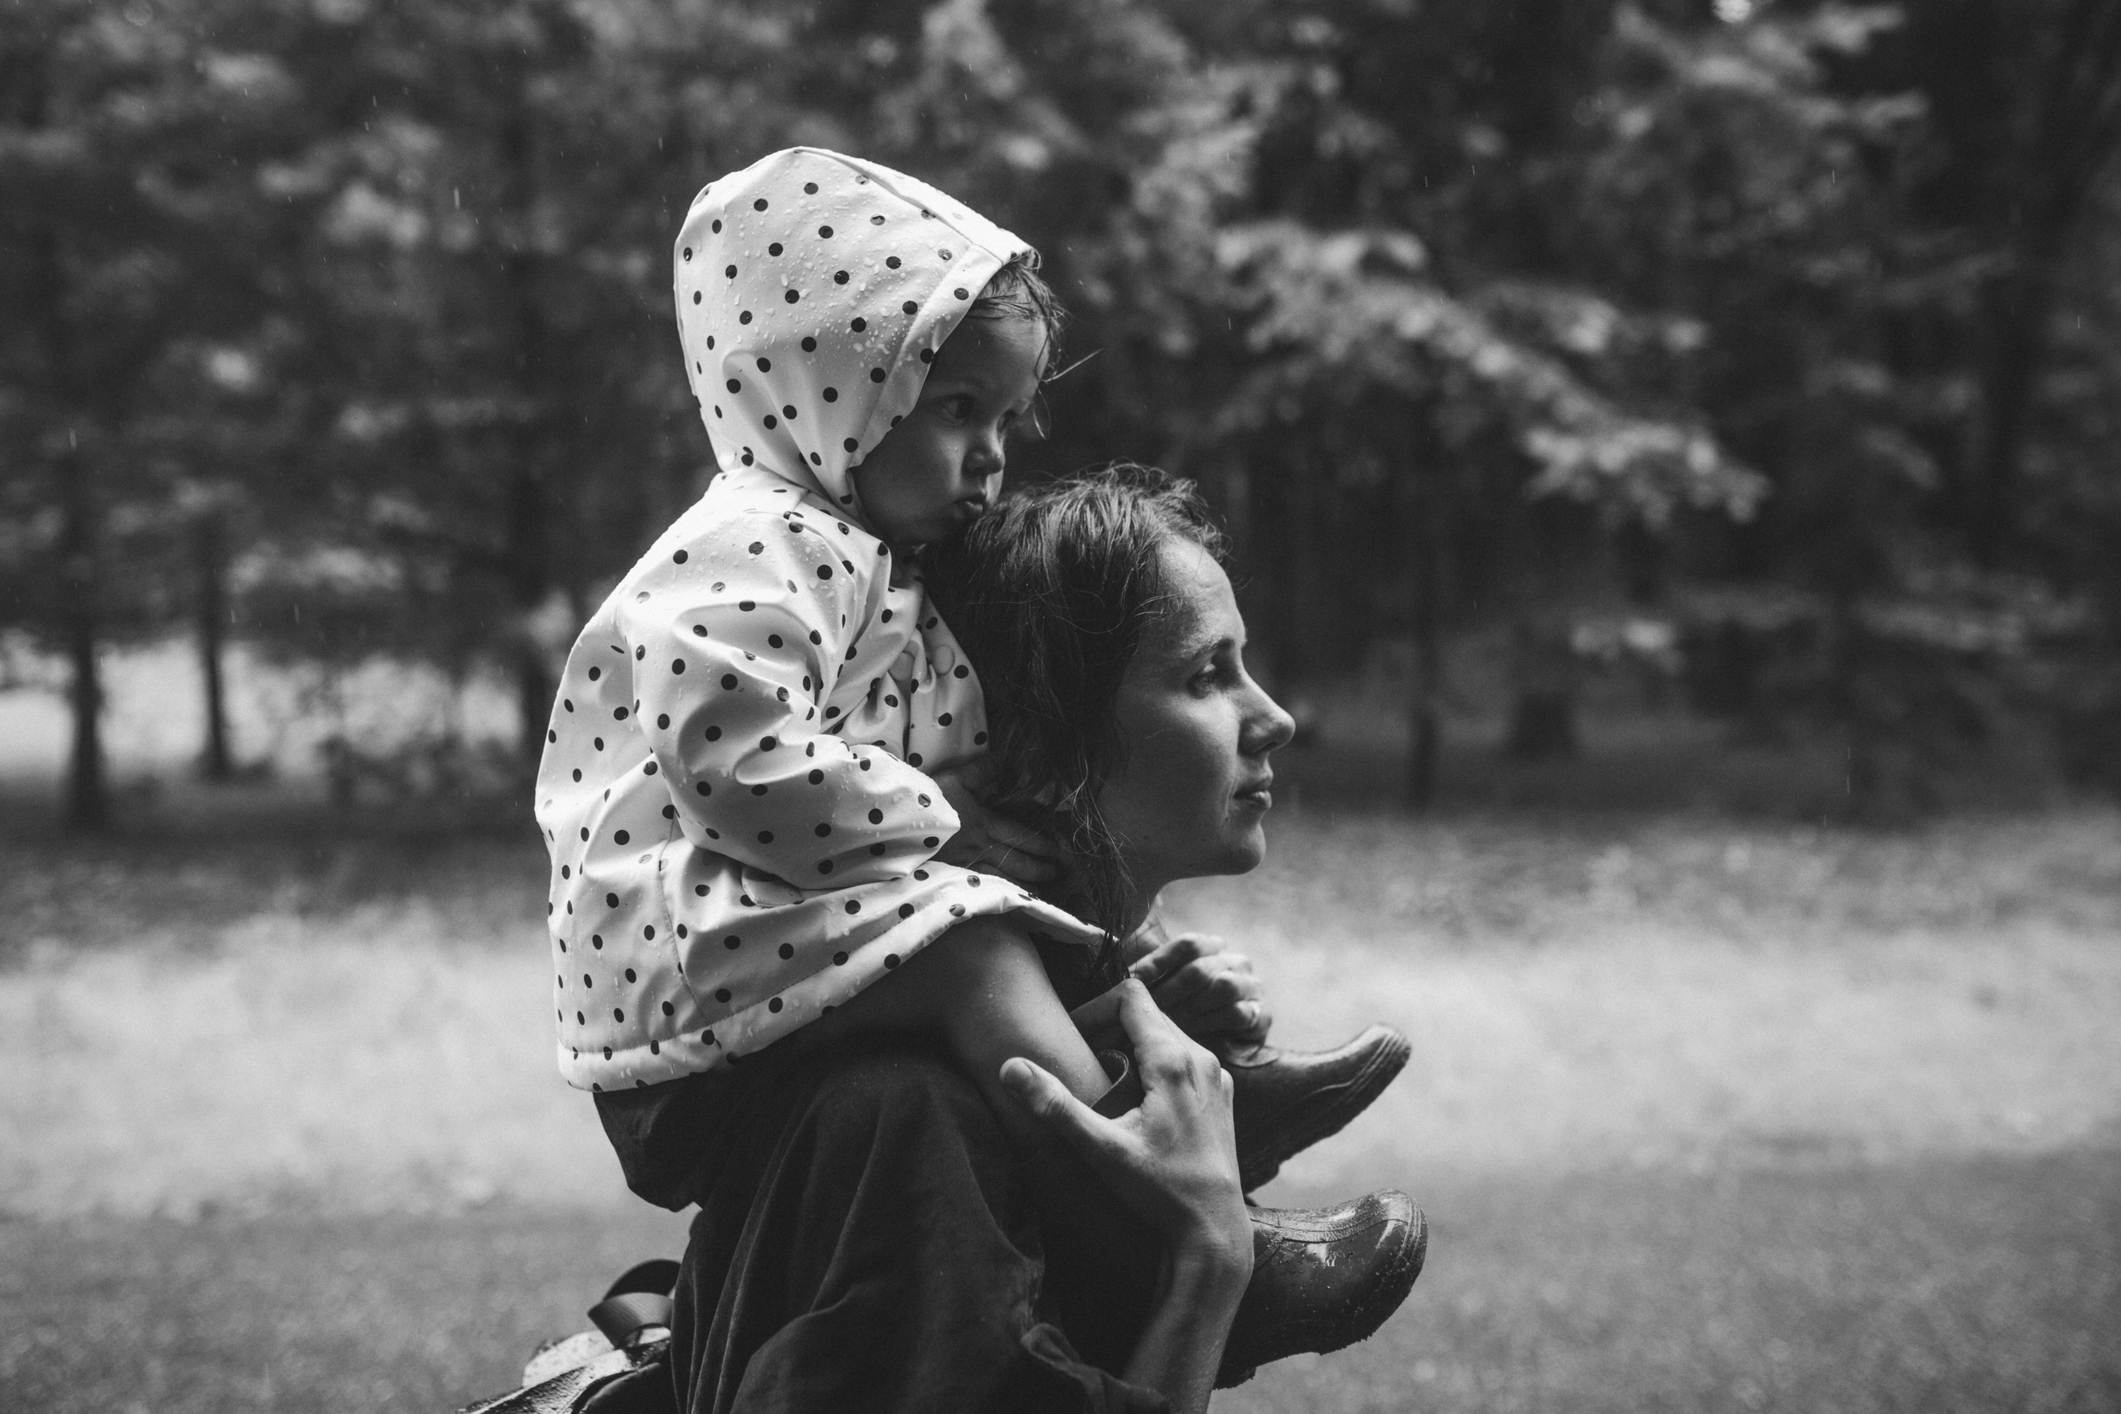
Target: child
744, 785
739, 786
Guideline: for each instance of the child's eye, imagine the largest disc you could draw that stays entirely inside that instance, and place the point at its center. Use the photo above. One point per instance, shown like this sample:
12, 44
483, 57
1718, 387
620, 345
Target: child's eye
957, 407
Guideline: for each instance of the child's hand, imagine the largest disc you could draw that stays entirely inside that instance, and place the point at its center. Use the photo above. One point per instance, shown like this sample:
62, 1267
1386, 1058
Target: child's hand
1205, 987
987, 839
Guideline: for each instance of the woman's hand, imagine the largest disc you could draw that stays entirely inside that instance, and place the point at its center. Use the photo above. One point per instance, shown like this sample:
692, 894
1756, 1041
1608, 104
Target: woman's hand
1173, 1160
1206, 988
987, 839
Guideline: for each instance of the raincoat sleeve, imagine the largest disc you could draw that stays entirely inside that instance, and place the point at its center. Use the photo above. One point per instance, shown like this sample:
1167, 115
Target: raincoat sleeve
736, 640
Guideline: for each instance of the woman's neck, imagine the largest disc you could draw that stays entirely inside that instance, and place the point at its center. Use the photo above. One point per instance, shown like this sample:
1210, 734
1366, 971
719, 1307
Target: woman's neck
1136, 905
1140, 904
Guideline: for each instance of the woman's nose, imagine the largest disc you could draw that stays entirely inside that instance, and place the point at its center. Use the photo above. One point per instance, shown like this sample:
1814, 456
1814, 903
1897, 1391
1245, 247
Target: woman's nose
1270, 728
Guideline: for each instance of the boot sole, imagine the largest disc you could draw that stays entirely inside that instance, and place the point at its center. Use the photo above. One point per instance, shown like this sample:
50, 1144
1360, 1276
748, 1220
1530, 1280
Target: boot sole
1331, 1112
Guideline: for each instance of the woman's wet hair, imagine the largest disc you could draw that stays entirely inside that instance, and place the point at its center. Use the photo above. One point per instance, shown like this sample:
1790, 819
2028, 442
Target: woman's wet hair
1049, 596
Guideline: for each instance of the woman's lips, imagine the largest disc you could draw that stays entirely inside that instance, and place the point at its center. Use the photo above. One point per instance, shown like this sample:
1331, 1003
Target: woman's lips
1260, 795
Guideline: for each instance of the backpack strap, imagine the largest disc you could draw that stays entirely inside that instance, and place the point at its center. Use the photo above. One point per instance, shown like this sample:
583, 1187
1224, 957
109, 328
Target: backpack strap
638, 1301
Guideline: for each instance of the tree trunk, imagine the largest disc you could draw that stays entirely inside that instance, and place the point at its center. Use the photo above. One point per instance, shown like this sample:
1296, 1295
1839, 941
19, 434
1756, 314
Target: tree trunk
2017, 346
1273, 482
534, 692
1425, 733
1543, 720
87, 794
1425, 719
2077, 129
527, 552
211, 614
529, 585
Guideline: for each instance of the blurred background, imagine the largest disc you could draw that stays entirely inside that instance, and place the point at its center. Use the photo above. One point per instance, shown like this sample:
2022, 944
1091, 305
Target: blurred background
1674, 454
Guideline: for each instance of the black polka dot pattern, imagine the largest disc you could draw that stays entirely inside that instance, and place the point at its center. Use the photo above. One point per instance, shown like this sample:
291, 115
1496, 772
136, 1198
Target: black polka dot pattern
732, 856
828, 272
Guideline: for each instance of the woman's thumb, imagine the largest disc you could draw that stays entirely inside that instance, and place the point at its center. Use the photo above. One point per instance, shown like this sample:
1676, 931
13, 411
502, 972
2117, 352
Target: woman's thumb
1050, 1103
1033, 1086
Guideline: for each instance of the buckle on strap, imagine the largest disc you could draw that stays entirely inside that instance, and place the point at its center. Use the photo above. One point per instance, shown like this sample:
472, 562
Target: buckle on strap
622, 1318
638, 1301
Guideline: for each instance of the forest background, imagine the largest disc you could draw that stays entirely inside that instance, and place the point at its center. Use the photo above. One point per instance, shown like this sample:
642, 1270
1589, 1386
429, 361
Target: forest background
1765, 355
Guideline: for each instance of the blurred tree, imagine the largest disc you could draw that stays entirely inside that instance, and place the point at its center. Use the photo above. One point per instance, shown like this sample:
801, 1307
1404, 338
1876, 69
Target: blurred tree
493, 188
128, 231
1353, 227
347, 326
2026, 105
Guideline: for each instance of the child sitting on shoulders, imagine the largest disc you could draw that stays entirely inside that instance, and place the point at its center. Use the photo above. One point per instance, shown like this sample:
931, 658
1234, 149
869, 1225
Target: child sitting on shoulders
748, 789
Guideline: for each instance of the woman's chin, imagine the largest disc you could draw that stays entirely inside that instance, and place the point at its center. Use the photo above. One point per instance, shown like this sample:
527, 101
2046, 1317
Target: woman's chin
1246, 849
1237, 851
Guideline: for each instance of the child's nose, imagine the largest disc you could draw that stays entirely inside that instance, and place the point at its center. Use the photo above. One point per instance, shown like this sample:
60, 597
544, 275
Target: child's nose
985, 457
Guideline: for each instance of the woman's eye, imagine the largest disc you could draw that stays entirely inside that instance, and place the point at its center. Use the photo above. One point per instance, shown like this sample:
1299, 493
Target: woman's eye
957, 407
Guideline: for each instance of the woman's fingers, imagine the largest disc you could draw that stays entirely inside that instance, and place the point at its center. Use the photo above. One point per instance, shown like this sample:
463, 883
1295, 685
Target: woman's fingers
1173, 1160
1252, 1021
1219, 979
1216, 996
1163, 1051
1170, 956
1040, 1092
1227, 1005
1100, 1141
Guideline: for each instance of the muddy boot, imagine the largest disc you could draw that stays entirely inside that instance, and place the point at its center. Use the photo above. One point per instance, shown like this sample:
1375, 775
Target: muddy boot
1323, 1278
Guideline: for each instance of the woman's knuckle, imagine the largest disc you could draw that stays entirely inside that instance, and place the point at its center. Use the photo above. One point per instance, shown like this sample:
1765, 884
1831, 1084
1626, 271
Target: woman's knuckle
1166, 1071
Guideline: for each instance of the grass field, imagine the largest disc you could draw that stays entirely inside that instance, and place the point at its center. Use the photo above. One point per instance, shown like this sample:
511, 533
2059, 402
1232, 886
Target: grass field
1707, 1114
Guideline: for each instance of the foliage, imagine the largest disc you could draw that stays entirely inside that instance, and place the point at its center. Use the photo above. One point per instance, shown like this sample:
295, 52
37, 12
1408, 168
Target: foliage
349, 315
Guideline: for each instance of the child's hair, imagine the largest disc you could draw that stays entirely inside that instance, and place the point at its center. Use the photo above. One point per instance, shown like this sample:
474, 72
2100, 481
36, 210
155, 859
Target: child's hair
1017, 291
1049, 596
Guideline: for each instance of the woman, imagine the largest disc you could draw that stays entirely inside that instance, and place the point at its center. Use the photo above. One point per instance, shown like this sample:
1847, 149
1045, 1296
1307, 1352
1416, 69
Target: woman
872, 1233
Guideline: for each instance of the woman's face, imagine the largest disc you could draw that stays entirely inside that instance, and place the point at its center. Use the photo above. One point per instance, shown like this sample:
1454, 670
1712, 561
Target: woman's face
1190, 796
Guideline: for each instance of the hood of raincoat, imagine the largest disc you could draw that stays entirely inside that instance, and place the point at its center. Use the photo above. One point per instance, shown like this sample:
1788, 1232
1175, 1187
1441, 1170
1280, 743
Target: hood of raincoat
813, 290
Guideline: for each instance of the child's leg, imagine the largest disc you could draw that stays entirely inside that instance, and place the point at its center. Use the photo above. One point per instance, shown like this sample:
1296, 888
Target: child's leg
983, 989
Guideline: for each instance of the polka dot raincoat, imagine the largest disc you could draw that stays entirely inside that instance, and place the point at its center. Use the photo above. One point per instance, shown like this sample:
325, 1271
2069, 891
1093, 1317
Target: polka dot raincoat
735, 788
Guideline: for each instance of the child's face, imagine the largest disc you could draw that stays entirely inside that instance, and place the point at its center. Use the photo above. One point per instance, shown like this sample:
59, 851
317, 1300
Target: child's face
942, 466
